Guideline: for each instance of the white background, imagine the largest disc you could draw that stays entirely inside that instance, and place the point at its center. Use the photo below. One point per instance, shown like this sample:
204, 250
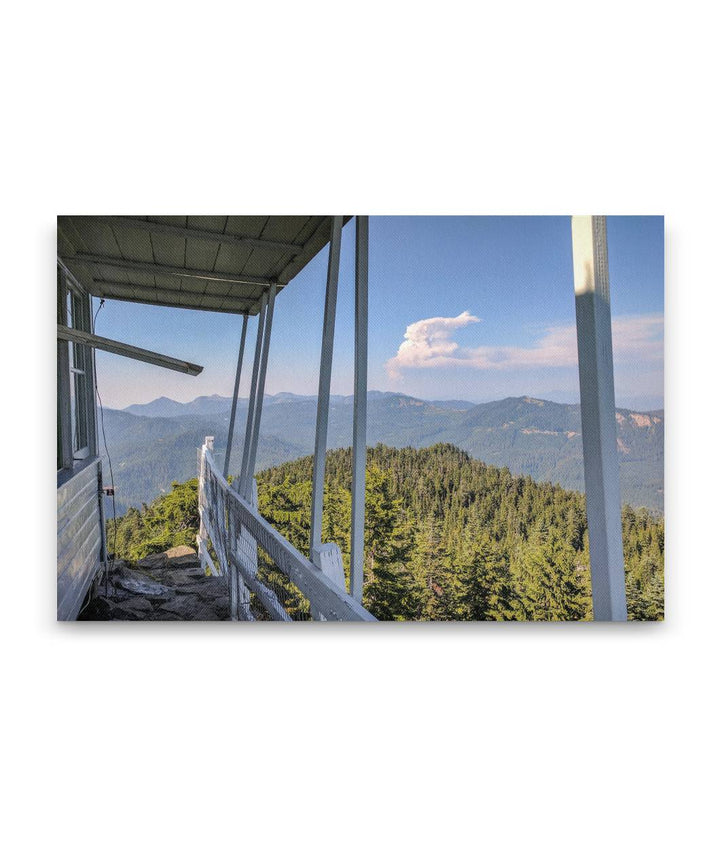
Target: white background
502, 739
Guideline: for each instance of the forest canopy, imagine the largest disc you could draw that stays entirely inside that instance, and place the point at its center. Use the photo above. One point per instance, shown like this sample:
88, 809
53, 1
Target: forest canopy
446, 537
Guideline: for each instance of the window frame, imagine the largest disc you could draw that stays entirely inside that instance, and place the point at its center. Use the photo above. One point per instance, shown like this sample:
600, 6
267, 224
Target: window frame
77, 440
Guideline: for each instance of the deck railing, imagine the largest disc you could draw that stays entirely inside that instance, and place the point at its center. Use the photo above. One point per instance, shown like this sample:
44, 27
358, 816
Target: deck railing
275, 582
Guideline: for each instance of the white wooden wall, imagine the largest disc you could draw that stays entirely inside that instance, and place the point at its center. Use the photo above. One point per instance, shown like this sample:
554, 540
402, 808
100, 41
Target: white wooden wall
79, 539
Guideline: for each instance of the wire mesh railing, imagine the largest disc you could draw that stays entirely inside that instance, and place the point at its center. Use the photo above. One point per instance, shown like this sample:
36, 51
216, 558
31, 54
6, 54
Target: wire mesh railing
269, 579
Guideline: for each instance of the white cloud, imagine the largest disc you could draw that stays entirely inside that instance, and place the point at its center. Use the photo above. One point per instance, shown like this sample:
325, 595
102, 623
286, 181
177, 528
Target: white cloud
428, 344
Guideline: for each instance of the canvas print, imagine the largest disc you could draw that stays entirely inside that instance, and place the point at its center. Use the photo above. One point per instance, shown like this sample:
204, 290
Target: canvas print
360, 418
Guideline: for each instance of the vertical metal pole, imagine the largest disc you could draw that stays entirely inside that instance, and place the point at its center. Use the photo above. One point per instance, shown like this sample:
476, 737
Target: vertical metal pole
597, 407
357, 535
250, 471
253, 392
103, 532
233, 410
323, 403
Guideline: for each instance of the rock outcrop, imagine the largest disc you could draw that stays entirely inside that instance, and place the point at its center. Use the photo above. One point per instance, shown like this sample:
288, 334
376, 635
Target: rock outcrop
169, 586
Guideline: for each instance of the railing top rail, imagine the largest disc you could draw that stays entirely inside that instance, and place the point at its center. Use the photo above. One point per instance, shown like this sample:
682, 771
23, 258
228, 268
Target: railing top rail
324, 595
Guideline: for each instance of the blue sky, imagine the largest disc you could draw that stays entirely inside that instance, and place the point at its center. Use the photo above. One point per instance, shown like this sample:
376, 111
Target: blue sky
460, 307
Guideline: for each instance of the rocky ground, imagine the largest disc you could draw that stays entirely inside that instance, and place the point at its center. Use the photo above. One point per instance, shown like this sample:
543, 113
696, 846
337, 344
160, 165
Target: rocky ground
167, 586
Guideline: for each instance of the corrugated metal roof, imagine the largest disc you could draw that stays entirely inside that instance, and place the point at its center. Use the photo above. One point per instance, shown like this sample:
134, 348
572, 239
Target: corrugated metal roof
216, 263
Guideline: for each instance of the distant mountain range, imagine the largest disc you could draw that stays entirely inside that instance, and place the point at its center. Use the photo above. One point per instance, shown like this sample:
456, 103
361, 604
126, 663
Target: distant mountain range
206, 405
153, 444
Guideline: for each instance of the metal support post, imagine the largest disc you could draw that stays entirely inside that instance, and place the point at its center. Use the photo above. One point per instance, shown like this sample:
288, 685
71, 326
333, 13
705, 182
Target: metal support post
323, 403
250, 470
597, 406
357, 534
253, 392
233, 409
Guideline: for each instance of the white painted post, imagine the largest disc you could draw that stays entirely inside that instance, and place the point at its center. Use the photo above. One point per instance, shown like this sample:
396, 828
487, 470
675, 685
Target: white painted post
329, 560
597, 406
246, 546
357, 534
250, 470
323, 402
203, 504
233, 410
253, 392
234, 580
243, 549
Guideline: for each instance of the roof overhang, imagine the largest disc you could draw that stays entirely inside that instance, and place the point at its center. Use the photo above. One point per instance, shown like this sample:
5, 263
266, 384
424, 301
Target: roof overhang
213, 263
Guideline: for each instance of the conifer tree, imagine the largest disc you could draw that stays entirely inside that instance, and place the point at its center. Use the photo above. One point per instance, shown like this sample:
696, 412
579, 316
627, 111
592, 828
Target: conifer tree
435, 586
553, 587
388, 581
486, 586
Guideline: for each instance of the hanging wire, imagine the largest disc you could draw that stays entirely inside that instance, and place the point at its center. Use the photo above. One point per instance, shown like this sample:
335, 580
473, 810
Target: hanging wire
107, 452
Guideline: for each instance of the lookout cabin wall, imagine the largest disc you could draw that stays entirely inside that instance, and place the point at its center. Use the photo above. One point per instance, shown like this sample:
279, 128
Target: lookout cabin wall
80, 525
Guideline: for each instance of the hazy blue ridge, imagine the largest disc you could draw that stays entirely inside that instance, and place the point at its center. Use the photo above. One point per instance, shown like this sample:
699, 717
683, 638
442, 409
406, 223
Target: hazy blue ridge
154, 444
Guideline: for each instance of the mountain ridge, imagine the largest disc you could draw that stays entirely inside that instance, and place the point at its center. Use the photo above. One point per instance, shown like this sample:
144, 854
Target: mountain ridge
216, 400
530, 436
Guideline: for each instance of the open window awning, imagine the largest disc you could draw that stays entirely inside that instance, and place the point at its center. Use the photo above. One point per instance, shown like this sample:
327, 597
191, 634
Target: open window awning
214, 263
81, 337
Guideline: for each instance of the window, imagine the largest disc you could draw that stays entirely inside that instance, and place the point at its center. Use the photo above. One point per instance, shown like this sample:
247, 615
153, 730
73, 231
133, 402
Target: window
80, 380
75, 402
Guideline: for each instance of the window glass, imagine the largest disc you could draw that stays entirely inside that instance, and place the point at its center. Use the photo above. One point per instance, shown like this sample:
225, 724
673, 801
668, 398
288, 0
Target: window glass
75, 429
79, 364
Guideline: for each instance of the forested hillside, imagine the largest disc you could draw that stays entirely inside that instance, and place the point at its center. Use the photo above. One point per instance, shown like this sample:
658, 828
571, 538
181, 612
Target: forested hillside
447, 537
